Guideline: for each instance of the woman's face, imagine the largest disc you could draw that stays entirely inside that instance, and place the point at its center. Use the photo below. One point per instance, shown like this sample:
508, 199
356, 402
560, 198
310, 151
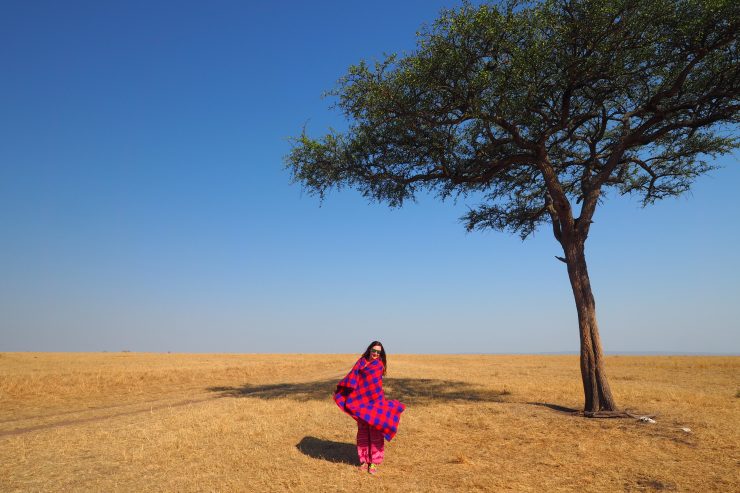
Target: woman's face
375, 351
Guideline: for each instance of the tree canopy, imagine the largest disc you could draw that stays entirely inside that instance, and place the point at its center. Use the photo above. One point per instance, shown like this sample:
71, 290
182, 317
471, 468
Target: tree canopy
604, 94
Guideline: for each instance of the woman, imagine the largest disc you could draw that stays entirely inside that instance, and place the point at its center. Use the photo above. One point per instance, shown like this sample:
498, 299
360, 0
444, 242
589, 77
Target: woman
360, 394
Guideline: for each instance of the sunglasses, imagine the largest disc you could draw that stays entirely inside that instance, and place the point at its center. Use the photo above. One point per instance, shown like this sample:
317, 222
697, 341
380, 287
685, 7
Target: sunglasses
374, 351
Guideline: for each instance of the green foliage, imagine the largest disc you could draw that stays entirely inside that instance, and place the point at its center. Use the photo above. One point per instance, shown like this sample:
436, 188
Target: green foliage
538, 107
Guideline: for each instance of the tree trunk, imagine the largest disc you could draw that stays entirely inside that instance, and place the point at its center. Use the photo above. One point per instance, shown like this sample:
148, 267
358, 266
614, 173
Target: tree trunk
598, 396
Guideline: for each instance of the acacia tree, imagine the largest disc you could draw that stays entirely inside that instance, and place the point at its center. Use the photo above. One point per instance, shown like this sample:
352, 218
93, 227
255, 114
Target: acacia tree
539, 110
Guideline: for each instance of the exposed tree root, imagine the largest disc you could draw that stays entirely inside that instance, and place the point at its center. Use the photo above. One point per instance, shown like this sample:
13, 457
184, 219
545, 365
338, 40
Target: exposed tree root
615, 414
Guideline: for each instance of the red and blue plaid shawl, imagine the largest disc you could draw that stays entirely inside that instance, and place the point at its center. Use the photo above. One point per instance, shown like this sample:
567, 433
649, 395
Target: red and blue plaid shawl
360, 394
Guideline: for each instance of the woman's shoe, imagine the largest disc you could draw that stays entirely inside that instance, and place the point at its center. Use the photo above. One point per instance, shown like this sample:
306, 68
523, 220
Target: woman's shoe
363, 467
372, 469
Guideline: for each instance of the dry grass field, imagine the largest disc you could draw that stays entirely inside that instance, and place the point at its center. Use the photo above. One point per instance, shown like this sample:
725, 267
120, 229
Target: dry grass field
171, 422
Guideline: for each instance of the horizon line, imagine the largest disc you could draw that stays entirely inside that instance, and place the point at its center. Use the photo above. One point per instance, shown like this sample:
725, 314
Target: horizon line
461, 353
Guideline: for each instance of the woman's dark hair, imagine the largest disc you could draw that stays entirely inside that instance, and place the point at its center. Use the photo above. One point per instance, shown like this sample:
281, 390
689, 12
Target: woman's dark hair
382, 354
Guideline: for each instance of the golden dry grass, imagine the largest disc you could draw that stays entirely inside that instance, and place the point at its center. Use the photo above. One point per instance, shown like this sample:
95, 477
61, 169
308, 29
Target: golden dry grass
165, 422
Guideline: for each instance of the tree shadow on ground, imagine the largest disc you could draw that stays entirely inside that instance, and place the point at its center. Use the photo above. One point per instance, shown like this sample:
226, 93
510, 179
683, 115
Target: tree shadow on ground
555, 407
318, 448
412, 391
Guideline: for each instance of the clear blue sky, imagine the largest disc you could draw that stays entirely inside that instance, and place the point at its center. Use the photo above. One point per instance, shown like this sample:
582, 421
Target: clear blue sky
144, 205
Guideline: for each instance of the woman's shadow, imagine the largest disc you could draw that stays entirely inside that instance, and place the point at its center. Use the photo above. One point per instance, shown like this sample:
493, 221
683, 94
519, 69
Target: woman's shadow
318, 448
